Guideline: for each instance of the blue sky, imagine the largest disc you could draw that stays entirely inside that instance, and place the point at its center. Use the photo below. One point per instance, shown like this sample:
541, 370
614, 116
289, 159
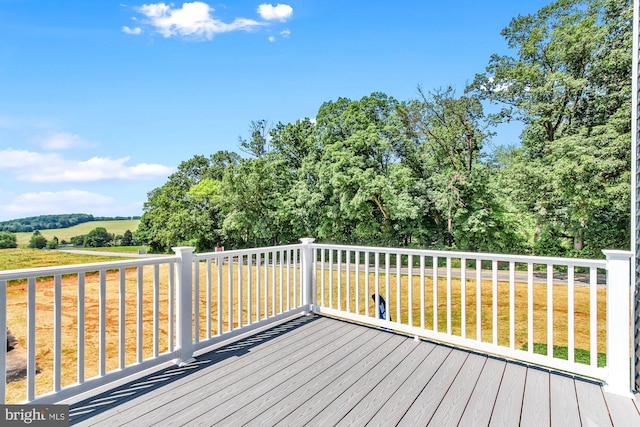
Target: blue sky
101, 100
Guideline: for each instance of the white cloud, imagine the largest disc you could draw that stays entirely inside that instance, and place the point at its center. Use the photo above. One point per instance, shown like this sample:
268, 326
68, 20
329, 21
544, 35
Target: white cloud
272, 39
46, 202
191, 20
285, 33
64, 141
280, 12
47, 168
134, 31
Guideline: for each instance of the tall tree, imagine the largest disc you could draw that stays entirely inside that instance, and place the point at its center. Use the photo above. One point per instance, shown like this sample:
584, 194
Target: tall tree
361, 193
570, 85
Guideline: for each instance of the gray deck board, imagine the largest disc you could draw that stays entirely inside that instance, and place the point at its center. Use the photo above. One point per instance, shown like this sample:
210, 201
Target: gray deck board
452, 406
368, 380
623, 411
483, 398
395, 408
274, 390
182, 387
564, 401
362, 413
306, 412
535, 404
218, 395
593, 408
508, 406
277, 412
429, 399
321, 371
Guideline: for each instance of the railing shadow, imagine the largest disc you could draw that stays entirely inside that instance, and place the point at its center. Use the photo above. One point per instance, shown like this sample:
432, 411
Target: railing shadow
113, 398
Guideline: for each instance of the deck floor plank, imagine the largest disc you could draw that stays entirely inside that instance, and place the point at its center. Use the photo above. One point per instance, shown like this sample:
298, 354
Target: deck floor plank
432, 394
246, 368
219, 360
452, 406
362, 412
275, 389
535, 404
299, 397
483, 398
508, 406
322, 371
392, 412
303, 414
593, 408
225, 392
623, 411
564, 401
341, 404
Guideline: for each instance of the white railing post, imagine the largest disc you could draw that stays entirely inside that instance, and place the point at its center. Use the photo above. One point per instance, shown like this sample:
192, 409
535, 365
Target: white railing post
184, 305
618, 322
308, 299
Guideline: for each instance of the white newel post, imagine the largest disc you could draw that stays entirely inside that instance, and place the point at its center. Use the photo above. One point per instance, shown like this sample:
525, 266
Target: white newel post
307, 274
618, 322
184, 304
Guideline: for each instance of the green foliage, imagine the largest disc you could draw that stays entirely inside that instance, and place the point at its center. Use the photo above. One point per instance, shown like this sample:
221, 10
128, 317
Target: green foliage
8, 240
51, 222
37, 241
127, 239
53, 243
44, 222
97, 238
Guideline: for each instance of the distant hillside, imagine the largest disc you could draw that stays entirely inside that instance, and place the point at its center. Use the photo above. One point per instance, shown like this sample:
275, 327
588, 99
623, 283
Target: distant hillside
115, 226
50, 222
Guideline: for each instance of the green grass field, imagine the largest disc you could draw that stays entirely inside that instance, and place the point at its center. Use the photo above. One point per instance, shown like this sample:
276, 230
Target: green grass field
115, 227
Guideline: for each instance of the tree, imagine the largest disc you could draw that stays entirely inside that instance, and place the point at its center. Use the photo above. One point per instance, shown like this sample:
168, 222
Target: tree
98, 237
8, 240
258, 144
176, 216
127, 238
53, 243
37, 241
359, 191
77, 240
570, 85
444, 136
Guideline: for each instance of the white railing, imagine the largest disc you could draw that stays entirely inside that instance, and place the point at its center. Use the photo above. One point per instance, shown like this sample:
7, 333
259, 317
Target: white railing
242, 290
100, 306
500, 304
129, 316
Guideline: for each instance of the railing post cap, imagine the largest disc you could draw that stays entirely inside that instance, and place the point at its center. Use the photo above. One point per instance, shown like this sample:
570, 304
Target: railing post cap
183, 249
615, 254
307, 240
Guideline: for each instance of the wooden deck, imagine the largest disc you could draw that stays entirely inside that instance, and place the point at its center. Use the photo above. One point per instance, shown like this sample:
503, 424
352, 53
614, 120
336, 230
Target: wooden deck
319, 371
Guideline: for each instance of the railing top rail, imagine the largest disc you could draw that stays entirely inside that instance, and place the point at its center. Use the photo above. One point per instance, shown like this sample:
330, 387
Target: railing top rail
581, 262
250, 251
83, 268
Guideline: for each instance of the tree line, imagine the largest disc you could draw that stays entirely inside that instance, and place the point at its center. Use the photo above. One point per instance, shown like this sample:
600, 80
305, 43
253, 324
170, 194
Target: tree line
97, 238
51, 222
423, 172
